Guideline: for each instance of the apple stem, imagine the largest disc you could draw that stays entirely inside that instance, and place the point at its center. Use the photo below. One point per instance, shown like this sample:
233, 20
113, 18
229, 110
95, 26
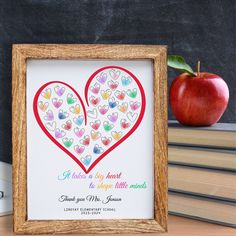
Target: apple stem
198, 68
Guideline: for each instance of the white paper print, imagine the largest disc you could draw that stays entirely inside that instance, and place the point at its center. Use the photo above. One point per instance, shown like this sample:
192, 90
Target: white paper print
89, 139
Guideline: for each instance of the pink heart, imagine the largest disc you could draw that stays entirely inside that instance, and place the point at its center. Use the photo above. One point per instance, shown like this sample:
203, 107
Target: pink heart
114, 74
134, 105
57, 102
79, 132
76, 140
79, 149
103, 109
95, 89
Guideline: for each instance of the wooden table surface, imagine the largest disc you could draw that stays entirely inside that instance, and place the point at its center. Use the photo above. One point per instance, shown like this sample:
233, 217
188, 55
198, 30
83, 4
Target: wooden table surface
178, 226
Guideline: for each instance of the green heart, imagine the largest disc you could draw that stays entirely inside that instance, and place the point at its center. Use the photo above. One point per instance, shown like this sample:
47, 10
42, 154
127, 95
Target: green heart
107, 127
133, 94
70, 100
68, 143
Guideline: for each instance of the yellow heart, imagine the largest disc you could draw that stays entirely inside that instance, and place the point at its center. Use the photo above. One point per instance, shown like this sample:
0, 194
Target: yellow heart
116, 135
47, 94
105, 95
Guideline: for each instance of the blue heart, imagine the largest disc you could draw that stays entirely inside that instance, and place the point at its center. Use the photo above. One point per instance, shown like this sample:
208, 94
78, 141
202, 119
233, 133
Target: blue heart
61, 115
112, 104
86, 160
125, 81
96, 150
79, 120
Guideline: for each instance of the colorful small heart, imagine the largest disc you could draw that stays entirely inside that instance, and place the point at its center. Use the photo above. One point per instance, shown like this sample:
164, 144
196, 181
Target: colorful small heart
95, 89
79, 132
57, 102
85, 141
124, 124
49, 116
112, 85
134, 106
43, 106
107, 126
67, 142
126, 80
67, 125
47, 93
96, 124
59, 133
62, 115
79, 120
94, 100
97, 149
103, 109
75, 109
112, 103
105, 94
70, 99
116, 135
113, 117
79, 149
86, 160
106, 141
120, 95
114, 73
59, 90
95, 135
102, 78
132, 93
123, 107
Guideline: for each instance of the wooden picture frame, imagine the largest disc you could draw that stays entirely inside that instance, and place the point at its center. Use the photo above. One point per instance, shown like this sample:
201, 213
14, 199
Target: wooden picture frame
20, 54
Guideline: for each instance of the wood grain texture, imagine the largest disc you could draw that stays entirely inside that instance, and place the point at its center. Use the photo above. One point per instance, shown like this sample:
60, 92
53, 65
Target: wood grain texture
21, 53
177, 226
160, 138
19, 137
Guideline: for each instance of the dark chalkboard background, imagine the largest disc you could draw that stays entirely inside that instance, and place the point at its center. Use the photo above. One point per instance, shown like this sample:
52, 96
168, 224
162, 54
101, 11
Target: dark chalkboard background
195, 29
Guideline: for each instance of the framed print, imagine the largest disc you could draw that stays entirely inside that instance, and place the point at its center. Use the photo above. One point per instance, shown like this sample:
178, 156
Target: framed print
89, 138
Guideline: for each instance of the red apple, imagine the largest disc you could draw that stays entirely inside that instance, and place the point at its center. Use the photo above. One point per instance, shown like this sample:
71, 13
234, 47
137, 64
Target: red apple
200, 100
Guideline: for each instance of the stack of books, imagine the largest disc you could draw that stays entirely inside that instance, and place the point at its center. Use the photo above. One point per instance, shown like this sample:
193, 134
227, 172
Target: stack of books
202, 166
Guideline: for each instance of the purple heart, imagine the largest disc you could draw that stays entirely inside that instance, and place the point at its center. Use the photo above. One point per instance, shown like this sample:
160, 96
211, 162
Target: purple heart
113, 117
59, 134
49, 116
102, 78
59, 91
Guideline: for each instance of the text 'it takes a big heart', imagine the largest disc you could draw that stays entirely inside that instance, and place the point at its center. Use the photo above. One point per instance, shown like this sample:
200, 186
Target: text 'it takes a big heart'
87, 130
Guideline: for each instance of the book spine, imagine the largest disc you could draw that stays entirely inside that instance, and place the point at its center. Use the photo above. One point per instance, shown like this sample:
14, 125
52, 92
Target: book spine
198, 187
184, 144
175, 209
206, 196
207, 167
202, 219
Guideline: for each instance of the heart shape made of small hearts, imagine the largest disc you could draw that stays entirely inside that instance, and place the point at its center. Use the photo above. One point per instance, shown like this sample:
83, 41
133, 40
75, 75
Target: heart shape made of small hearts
87, 130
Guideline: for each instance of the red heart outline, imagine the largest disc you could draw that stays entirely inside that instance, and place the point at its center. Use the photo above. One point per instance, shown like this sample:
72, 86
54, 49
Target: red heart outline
142, 111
